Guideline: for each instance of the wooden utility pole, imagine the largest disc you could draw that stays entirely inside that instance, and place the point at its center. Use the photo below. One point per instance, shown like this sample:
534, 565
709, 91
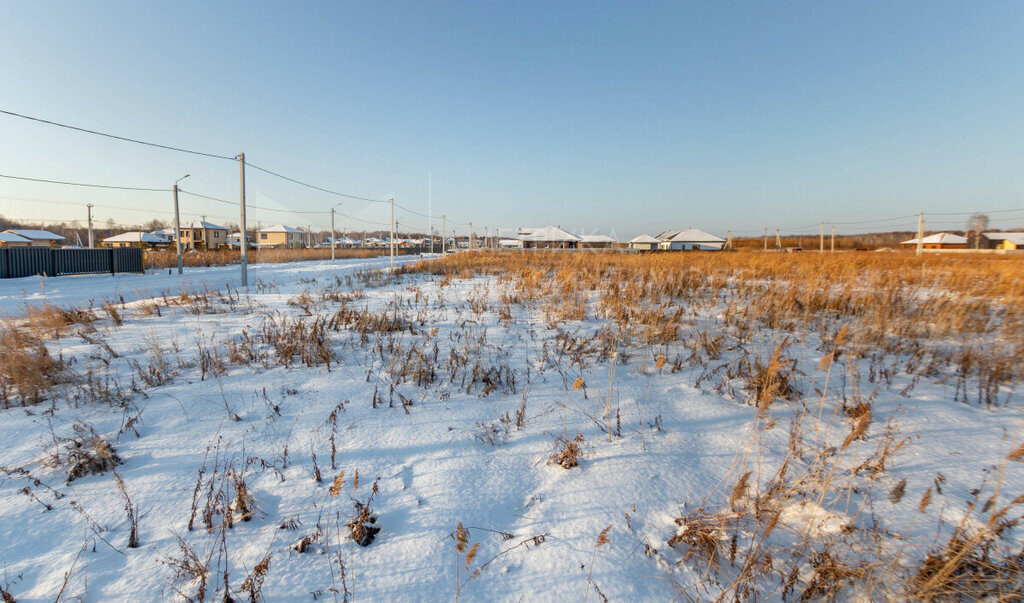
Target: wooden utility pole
392, 241
92, 241
241, 218
920, 232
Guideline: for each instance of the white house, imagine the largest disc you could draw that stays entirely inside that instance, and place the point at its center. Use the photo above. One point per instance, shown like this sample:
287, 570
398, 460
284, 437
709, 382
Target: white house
136, 239
548, 237
689, 239
597, 241
644, 242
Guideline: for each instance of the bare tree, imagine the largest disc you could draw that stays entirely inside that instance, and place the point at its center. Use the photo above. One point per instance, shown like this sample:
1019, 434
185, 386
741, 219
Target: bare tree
976, 224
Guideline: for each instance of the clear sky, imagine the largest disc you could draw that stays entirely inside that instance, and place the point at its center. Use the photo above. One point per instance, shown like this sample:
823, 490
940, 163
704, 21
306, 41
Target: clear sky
628, 117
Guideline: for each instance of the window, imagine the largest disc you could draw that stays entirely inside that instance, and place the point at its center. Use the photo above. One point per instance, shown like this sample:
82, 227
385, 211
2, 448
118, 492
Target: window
216, 234
263, 236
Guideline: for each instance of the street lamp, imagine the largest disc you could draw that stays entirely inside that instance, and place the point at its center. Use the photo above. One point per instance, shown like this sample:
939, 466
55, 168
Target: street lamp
177, 221
332, 230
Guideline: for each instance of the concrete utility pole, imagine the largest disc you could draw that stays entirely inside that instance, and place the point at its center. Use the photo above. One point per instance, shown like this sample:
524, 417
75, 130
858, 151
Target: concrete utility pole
444, 232
833, 238
177, 223
88, 207
332, 233
392, 233
821, 246
778, 239
728, 239
469, 239
241, 218
309, 236
766, 239
920, 232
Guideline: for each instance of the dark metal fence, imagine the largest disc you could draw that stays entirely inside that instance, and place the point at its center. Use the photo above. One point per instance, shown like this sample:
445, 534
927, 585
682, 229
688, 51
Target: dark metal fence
17, 262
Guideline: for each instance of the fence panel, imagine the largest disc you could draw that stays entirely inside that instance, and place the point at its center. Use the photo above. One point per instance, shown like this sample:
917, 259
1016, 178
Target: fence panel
83, 261
17, 262
29, 261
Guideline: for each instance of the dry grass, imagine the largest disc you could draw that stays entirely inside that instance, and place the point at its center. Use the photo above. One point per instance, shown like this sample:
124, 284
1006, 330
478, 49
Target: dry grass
166, 259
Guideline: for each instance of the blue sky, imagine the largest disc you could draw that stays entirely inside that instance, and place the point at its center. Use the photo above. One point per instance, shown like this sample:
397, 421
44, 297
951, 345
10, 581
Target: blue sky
624, 117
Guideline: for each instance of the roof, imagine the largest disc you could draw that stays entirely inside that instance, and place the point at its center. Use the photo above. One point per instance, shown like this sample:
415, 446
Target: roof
941, 238
9, 237
693, 235
37, 235
1017, 238
281, 228
206, 225
549, 233
135, 237
645, 239
596, 238
164, 232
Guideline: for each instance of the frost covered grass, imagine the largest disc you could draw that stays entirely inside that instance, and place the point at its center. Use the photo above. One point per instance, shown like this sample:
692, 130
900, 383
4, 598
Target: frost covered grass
542, 425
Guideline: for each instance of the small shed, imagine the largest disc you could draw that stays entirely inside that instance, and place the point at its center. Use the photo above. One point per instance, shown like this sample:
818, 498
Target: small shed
644, 243
941, 240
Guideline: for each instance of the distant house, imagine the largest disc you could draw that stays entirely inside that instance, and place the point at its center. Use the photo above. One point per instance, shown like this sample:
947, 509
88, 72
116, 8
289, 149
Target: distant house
136, 239
199, 235
38, 238
689, 239
339, 242
1003, 240
510, 244
644, 243
8, 239
235, 237
548, 237
280, 236
596, 241
942, 240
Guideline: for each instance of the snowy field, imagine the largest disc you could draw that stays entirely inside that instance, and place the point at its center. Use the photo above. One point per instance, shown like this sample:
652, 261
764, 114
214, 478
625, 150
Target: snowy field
243, 431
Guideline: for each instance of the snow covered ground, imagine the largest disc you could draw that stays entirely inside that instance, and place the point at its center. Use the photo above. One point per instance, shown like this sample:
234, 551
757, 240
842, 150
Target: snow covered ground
16, 294
450, 408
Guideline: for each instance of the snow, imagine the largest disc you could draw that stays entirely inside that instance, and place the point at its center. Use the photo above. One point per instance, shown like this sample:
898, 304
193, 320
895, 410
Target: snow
447, 458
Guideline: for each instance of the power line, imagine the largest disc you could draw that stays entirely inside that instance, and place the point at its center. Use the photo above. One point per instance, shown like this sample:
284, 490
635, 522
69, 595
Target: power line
123, 188
312, 186
116, 137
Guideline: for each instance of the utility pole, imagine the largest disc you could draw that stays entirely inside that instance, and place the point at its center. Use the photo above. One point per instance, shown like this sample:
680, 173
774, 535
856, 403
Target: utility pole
309, 235
469, 239
430, 209
88, 207
177, 223
778, 240
728, 240
332, 233
821, 246
241, 217
444, 231
920, 232
766, 239
833, 250
392, 241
